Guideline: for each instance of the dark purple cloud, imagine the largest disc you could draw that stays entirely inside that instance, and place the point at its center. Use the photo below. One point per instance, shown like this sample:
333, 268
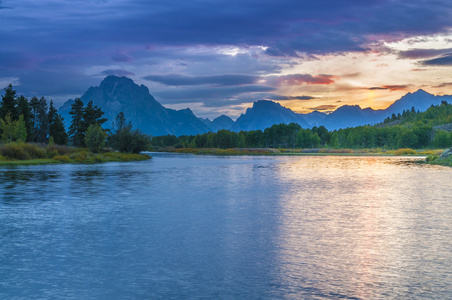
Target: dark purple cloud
423, 53
390, 87
396, 87
205, 94
220, 80
116, 72
238, 79
299, 79
46, 43
284, 98
45, 83
444, 60
286, 27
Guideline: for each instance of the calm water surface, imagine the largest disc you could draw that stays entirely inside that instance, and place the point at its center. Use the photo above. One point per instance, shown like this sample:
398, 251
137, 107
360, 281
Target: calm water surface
203, 227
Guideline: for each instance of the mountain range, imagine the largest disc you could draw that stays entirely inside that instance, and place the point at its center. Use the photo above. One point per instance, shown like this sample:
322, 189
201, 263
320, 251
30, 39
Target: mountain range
116, 94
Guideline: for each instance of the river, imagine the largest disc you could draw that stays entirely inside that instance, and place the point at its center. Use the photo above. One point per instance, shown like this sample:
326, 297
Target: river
181, 226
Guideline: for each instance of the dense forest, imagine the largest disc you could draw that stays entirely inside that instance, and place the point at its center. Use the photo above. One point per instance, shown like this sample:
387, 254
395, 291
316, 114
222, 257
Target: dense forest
37, 121
410, 129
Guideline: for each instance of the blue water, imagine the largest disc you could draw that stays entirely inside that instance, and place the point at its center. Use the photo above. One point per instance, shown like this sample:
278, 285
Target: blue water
204, 227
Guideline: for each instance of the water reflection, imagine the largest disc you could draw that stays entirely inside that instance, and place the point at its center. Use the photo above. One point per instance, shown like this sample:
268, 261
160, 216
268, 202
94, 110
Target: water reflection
360, 228
184, 226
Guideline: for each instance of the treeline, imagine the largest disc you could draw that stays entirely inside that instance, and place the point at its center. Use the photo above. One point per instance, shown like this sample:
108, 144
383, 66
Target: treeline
36, 121
29, 121
415, 130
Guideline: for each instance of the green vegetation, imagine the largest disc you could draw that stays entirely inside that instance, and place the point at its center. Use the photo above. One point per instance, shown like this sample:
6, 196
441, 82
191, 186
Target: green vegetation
411, 129
32, 132
124, 139
30, 153
95, 138
308, 151
434, 160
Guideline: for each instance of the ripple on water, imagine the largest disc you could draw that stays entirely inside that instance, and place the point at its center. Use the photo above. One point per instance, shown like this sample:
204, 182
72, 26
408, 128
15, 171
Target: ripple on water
184, 226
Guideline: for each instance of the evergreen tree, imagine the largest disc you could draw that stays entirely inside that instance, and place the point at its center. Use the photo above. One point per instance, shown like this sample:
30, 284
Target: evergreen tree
40, 119
9, 104
92, 114
34, 102
124, 139
56, 126
120, 123
82, 118
76, 129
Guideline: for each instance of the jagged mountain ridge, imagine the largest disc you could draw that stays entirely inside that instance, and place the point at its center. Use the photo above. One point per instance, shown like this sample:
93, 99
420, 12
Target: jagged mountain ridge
116, 94
221, 122
266, 113
353, 115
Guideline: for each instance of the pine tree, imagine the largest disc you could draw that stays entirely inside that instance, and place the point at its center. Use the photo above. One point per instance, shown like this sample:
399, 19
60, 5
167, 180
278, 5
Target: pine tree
41, 121
82, 118
76, 129
9, 104
34, 102
120, 123
124, 139
92, 114
56, 126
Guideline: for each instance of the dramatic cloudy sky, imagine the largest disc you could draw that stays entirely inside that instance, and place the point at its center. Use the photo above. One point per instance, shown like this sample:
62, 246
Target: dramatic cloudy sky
218, 56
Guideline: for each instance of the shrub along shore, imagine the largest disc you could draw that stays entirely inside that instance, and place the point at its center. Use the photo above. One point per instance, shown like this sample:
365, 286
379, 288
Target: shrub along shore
431, 156
33, 154
309, 151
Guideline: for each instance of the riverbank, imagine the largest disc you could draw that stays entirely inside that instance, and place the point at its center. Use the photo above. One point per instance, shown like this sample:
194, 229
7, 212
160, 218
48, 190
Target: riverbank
309, 152
445, 159
38, 154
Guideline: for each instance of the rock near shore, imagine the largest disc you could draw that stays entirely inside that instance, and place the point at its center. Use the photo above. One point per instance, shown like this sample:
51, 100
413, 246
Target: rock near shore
446, 154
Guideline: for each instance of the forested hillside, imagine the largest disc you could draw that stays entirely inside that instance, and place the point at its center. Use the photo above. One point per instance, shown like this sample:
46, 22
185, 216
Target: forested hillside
409, 129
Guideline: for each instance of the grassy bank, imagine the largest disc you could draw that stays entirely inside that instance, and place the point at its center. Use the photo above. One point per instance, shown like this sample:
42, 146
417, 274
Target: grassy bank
320, 151
442, 162
445, 159
34, 154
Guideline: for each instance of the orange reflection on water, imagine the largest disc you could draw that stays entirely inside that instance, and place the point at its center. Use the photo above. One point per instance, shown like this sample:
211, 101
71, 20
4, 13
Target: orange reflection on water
340, 218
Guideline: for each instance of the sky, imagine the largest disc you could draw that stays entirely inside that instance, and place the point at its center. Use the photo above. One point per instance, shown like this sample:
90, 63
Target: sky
218, 57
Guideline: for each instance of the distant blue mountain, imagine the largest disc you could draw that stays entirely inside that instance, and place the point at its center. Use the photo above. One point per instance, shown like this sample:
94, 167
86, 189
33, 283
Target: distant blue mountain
351, 116
121, 94
116, 94
266, 113
314, 118
221, 122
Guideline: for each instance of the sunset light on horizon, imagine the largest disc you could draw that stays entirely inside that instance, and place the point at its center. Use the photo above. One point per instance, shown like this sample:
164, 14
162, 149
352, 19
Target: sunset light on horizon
218, 57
